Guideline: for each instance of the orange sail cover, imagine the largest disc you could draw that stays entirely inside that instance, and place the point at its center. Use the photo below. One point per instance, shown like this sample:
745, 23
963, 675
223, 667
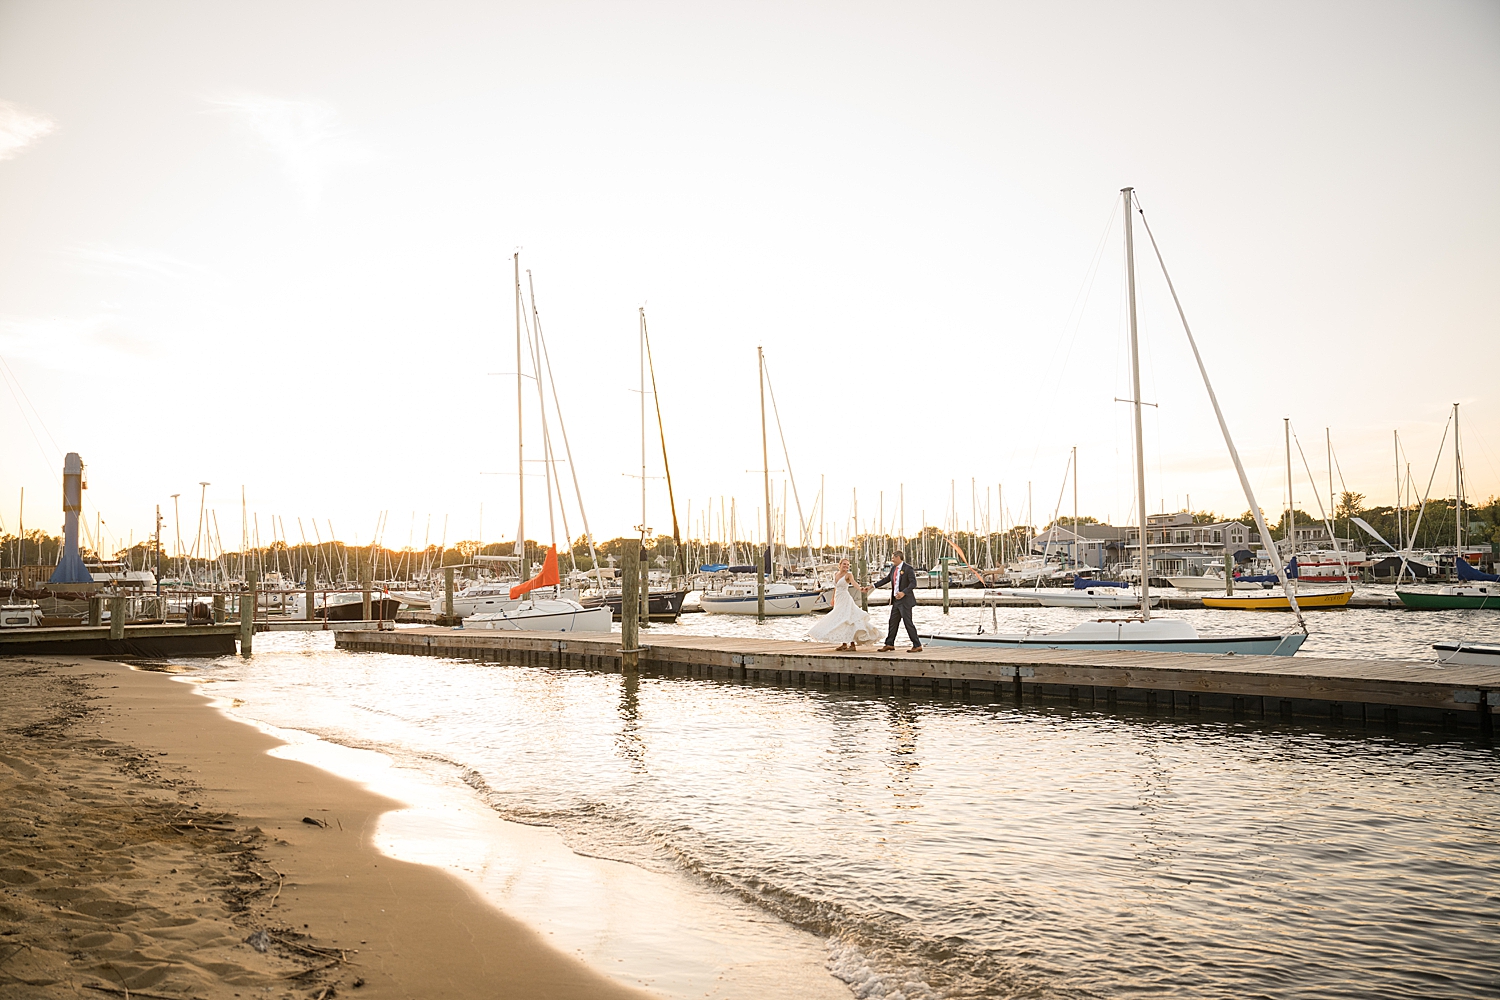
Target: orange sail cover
546, 578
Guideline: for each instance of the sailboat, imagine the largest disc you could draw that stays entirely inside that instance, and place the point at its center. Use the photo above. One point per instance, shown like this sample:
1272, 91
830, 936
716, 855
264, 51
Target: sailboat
1142, 632
764, 598
524, 609
1476, 590
663, 603
1322, 600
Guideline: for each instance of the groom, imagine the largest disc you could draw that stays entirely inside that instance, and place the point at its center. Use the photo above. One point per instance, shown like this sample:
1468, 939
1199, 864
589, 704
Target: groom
903, 598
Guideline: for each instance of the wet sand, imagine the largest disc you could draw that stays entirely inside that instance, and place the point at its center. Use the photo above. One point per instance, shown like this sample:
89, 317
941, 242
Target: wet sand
148, 844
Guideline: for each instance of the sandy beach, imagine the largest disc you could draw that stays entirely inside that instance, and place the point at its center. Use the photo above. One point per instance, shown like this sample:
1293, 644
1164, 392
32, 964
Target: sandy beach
150, 847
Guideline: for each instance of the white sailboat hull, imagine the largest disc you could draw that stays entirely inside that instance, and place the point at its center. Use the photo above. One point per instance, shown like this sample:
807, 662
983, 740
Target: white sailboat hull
1467, 653
799, 602
1197, 582
544, 616
1162, 635
1092, 597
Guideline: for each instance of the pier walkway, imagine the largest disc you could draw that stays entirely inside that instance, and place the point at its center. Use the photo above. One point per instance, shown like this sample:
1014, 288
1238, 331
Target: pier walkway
1349, 691
151, 641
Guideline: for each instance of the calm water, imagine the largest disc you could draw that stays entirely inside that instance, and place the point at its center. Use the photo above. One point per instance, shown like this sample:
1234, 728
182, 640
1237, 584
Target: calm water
965, 850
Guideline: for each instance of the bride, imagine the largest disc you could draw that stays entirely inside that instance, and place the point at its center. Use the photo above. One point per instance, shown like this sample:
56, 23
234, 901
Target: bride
846, 622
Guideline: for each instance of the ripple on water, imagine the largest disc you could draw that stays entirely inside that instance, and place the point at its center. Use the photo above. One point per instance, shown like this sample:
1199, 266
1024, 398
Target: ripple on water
957, 850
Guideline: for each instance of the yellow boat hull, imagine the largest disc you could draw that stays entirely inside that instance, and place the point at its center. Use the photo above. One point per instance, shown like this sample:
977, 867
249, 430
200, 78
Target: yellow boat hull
1278, 602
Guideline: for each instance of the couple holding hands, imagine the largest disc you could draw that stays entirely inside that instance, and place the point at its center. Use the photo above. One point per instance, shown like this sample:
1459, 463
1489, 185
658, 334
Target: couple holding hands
849, 626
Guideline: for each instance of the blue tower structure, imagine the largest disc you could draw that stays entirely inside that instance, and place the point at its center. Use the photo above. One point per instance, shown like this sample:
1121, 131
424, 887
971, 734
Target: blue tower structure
70, 567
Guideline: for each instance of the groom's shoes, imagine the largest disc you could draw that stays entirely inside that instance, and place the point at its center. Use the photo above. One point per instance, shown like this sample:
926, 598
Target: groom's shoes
886, 649
915, 649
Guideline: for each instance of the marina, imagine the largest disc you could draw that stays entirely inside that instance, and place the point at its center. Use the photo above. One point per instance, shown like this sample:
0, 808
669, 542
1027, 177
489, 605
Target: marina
688, 666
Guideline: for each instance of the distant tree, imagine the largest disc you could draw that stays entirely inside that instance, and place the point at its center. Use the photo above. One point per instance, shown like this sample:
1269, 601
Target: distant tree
1066, 521
1351, 504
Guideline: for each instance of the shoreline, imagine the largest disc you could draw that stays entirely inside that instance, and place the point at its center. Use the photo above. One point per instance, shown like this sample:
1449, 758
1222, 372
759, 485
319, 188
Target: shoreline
146, 835
643, 925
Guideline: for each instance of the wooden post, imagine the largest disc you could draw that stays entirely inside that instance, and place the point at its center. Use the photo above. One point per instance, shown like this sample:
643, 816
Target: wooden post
218, 609
248, 599
644, 602
364, 581
309, 585
630, 583
862, 574
448, 591
1228, 574
117, 617
96, 611
944, 561
760, 587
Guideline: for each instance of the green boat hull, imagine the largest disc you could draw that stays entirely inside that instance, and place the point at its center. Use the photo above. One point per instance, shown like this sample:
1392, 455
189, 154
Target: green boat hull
1449, 602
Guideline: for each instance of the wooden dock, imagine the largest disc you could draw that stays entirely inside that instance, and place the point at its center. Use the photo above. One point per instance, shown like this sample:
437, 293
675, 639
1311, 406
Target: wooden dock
1373, 693
150, 641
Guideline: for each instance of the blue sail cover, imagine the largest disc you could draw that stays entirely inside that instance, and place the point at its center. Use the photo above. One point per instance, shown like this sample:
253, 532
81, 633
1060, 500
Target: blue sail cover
1467, 572
713, 568
1083, 583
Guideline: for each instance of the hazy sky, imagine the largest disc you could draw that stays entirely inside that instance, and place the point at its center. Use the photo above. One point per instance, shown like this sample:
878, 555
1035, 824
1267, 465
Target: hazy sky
267, 245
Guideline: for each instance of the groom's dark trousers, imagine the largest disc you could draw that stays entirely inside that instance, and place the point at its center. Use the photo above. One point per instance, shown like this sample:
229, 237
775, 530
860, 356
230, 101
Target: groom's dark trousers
906, 583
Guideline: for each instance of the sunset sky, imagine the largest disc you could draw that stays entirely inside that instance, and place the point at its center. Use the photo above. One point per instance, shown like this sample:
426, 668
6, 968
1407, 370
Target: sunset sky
267, 245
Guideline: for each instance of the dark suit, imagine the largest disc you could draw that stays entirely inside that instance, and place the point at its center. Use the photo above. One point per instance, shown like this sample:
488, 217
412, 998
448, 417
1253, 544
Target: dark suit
906, 583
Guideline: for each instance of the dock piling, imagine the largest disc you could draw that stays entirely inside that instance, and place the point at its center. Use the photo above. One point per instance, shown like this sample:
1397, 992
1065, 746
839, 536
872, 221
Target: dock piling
364, 583
944, 561
248, 600
448, 591
308, 583
630, 582
117, 616
96, 611
218, 609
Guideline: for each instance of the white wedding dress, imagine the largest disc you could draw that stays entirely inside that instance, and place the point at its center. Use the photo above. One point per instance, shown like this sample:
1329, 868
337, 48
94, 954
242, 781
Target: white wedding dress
846, 622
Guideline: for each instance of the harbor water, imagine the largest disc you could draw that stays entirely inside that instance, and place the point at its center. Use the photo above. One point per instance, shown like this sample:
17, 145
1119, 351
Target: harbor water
906, 847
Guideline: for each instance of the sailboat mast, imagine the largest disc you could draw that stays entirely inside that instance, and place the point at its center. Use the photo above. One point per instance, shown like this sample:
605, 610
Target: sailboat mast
1458, 492
765, 462
521, 567
762, 570
666, 466
1396, 445
1291, 517
1135, 387
641, 336
1332, 507
1075, 510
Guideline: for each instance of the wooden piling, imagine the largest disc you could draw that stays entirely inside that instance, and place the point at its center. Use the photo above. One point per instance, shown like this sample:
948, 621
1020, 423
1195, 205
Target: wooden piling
944, 562
364, 583
117, 616
448, 591
630, 584
218, 609
862, 574
308, 573
248, 600
643, 602
1228, 575
96, 611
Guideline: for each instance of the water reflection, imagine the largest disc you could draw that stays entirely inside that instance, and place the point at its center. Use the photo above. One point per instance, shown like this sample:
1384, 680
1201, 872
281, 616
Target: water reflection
904, 724
629, 743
